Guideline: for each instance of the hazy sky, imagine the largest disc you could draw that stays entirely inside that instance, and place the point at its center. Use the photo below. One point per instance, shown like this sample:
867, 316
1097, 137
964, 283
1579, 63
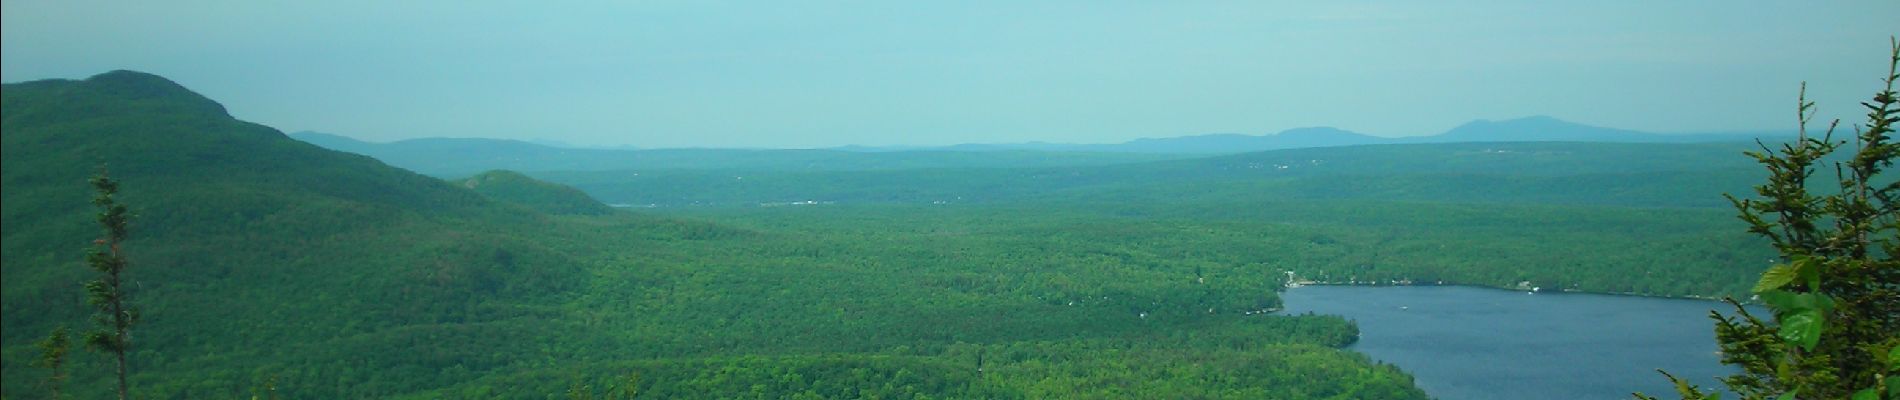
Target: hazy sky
816, 74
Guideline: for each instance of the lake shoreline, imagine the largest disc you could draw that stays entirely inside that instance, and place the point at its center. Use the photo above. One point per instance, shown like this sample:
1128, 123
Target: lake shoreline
1716, 299
1482, 342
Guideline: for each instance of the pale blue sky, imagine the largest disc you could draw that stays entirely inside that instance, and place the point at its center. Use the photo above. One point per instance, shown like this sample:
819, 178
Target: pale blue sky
818, 74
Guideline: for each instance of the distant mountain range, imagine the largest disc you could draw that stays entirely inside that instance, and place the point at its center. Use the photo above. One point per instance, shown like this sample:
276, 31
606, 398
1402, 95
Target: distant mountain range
462, 157
457, 157
1548, 129
1527, 129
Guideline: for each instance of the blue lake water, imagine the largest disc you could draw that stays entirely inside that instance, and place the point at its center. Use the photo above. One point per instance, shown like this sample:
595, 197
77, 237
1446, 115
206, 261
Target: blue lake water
1467, 343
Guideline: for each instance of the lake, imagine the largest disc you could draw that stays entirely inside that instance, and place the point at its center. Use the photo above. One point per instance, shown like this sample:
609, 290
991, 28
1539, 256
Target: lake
1468, 343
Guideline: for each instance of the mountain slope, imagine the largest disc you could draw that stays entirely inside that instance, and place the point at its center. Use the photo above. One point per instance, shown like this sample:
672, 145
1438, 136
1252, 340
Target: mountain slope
551, 198
334, 142
247, 245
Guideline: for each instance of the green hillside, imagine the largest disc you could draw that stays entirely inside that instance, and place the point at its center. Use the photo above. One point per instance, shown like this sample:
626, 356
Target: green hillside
248, 247
551, 198
263, 264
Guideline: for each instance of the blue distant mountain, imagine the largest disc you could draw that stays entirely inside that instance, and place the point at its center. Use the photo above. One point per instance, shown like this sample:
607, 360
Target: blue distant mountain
1539, 129
1548, 129
460, 157
1227, 143
1219, 143
1527, 129
333, 142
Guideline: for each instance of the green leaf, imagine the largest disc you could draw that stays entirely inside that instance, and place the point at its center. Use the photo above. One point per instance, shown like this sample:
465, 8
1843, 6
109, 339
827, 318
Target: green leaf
1893, 359
1810, 271
1778, 300
1787, 396
1821, 302
1803, 328
1785, 302
1866, 394
1776, 277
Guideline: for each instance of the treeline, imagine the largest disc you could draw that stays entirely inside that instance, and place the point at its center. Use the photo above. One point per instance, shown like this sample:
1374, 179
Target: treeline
1258, 359
1662, 252
1097, 299
1603, 174
405, 307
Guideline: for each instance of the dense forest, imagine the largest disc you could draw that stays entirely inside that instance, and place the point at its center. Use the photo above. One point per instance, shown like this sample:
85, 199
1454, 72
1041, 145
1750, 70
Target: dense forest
268, 266
948, 200
1605, 174
265, 266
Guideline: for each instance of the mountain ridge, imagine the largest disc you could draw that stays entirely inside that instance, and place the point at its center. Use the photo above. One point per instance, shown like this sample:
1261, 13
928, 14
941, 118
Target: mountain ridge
508, 154
132, 93
552, 198
228, 216
1536, 128
458, 157
1541, 128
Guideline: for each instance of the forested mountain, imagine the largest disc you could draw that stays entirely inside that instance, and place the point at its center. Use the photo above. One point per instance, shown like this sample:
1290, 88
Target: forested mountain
266, 266
248, 249
551, 198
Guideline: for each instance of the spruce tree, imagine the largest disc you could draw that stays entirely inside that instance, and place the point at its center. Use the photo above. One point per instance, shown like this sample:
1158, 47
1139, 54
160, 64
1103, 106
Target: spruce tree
53, 357
1836, 295
114, 317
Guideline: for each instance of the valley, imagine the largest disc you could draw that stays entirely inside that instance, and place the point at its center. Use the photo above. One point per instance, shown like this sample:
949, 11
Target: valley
1056, 199
269, 264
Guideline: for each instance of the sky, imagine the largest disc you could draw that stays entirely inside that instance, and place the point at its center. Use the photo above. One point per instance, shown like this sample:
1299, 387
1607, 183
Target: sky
786, 74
